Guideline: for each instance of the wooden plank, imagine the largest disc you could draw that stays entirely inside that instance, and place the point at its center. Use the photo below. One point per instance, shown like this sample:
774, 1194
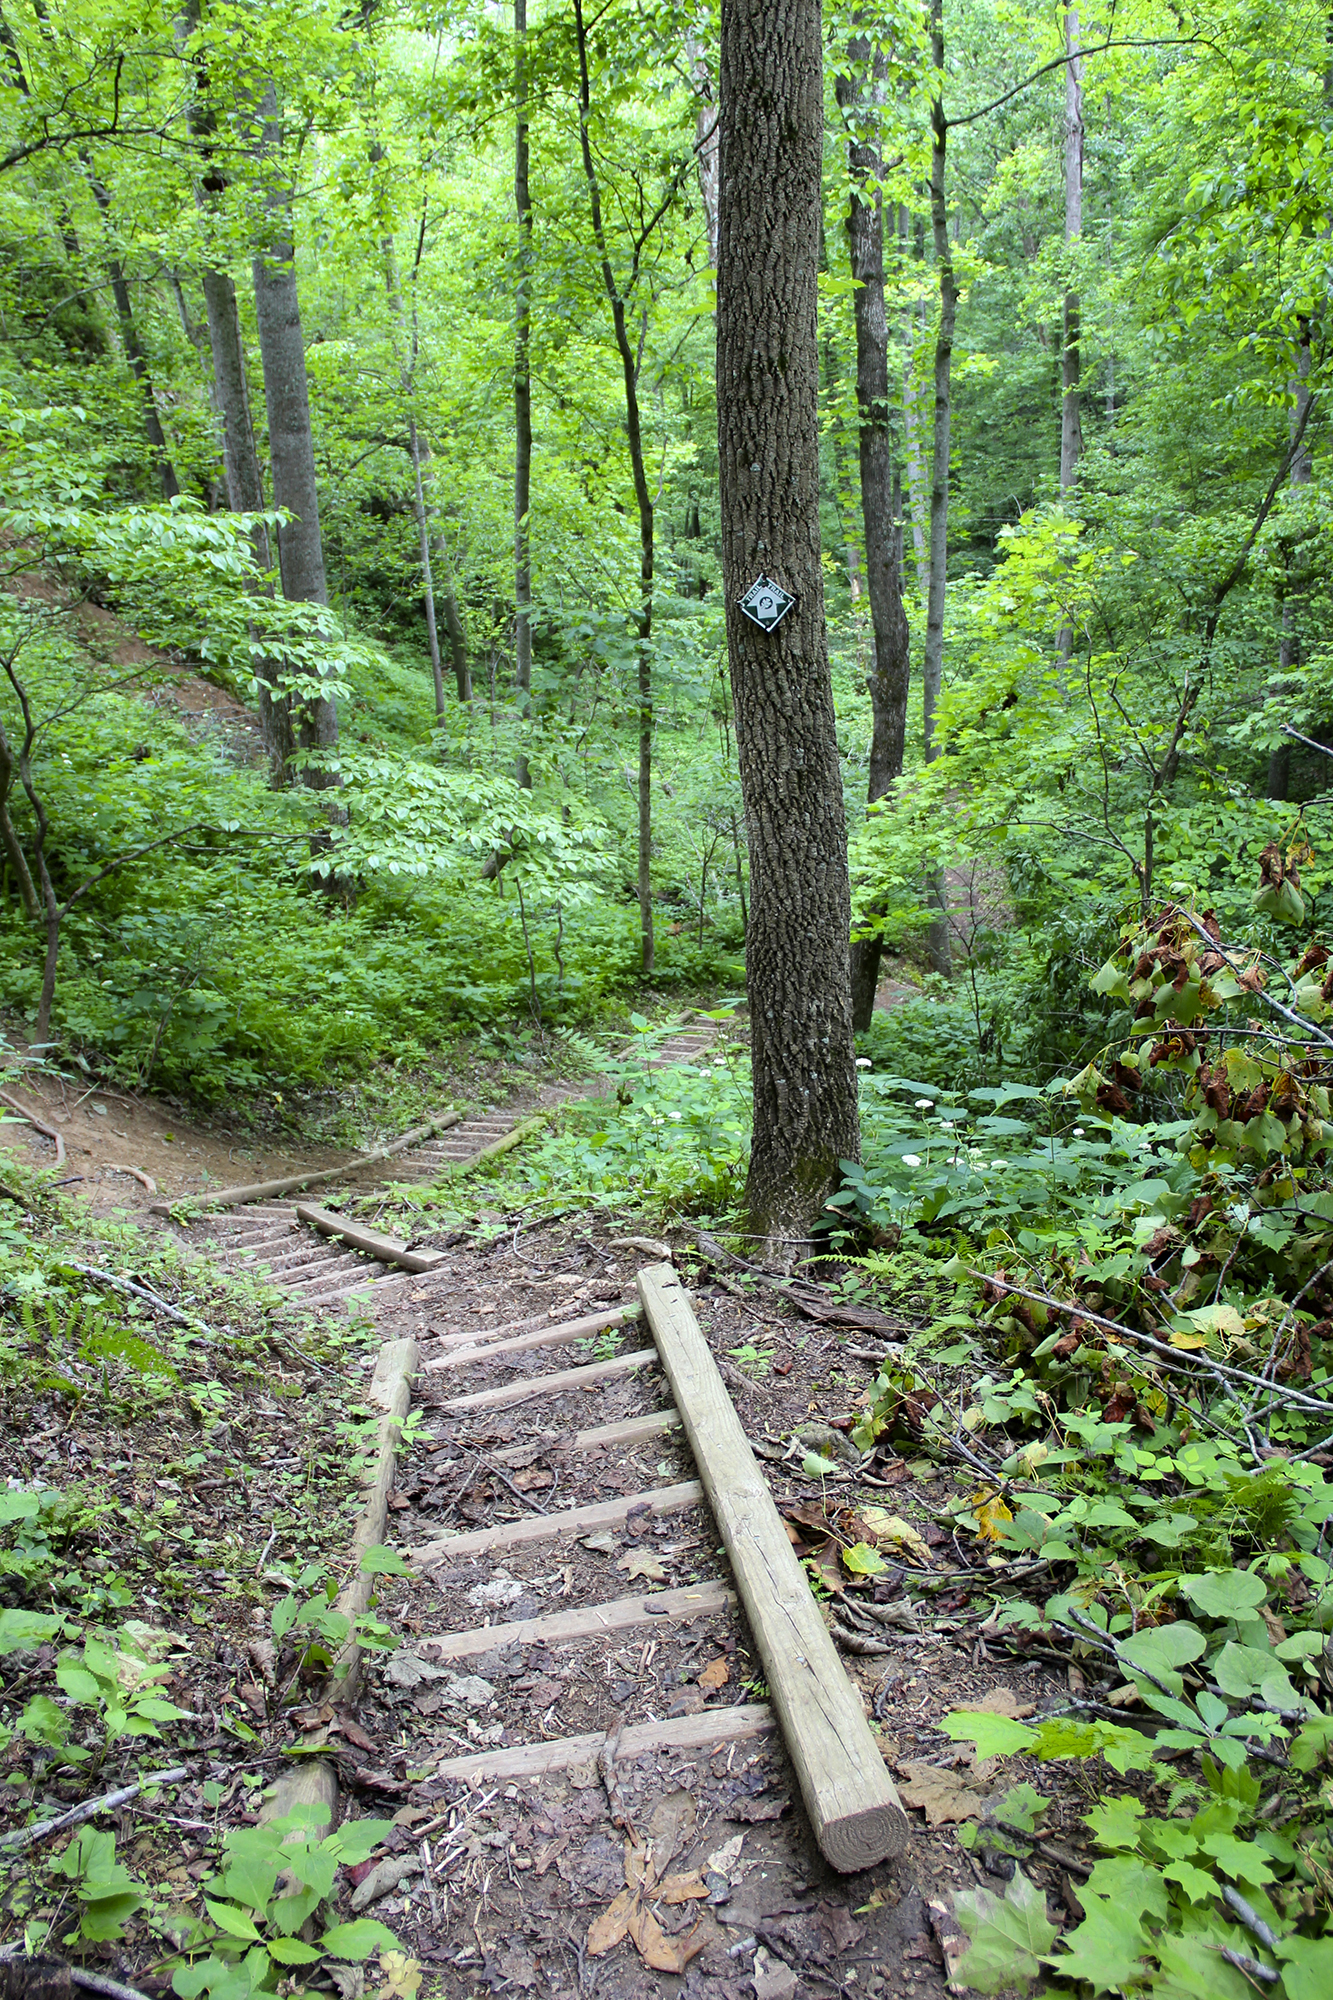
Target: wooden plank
687, 1732
386, 1249
854, 1808
564, 1522
390, 1391
536, 1323
631, 1430
235, 1197
528, 1387
619, 1614
527, 1343
453, 1170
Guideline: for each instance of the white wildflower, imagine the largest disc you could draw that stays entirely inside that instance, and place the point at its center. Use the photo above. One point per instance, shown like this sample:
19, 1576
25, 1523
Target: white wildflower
925, 1104
911, 1159
863, 1062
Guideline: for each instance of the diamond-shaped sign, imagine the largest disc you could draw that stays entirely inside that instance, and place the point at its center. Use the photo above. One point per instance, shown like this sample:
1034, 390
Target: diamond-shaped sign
766, 603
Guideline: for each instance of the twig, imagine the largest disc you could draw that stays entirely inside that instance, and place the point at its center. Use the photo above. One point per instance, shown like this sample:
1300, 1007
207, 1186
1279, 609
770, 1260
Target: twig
1249, 1916
136, 1173
517, 1491
28, 1836
47, 1131
138, 1292
1249, 1966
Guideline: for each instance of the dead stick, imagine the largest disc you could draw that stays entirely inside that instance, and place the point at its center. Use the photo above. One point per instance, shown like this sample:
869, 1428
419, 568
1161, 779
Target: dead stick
47, 1131
28, 1836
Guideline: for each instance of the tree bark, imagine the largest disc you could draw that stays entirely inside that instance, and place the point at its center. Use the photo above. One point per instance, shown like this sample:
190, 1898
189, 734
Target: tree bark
427, 573
918, 505
291, 443
706, 137
1289, 644
643, 498
453, 625
890, 638
1071, 422
932, 669
522, 385
805, 1115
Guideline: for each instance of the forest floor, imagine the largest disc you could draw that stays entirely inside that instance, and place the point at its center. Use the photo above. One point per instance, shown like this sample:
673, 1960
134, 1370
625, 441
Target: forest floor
208, 1508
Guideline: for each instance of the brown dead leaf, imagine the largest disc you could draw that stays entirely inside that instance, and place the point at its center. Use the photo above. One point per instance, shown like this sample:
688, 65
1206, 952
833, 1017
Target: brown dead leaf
671, 1826
1003, 1701
551, 1852
642, 1564
944, 1796
606, 1930
533, 1479
353, 1732
639, 1871
715, 1675
253, 1697
683, 1888
655, 1948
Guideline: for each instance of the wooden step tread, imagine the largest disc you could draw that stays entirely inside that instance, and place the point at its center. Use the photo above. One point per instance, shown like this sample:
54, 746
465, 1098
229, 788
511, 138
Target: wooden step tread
553, 1527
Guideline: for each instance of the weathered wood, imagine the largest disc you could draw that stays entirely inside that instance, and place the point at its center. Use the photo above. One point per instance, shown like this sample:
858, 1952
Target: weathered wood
313, 1782
619, 1614
236, 1197
475, 1347
504, 1144
551, 1527
591, 1323
528, 1388
386, 1249
630, 1430
853, 1805
37, 1124
390, 1391
686, 1732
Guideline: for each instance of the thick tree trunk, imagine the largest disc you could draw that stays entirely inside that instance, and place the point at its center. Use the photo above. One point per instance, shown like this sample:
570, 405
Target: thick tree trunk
706, 136
290, 440
629, 364
1071, 423
135, 357
522, 384
805, 1116
890, 643
1289, 645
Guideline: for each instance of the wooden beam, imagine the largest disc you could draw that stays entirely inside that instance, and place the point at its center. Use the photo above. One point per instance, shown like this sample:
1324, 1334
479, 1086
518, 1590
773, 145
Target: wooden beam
662, 1607
386, 1249
481, 1349
551, 1527
236, 1197
453, 1169
854, 1808
688, 1732
528, 1387
390, 1391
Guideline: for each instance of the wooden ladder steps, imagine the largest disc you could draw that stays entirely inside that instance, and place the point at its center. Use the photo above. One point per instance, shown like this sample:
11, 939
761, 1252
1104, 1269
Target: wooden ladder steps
471, 1348
527, 1388
565, 1522
712, 1728
619, 1614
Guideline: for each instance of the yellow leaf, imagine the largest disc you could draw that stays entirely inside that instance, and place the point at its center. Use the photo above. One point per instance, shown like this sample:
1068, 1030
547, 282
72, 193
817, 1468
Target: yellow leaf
402, 1974
991, 1514
1191, 1342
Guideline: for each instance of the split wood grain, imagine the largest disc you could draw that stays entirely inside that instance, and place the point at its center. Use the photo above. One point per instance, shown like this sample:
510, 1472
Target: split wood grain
618, 1614
390, 1392
854, 1808
712, 1727
568, 1521
386, 1249
528, 1387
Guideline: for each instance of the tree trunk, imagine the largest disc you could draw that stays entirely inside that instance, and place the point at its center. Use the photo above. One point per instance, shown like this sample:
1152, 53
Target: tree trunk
522, 385
457, 646
644, 618
932, 670
890, 642
1289, 645
706, 136
1071, 425
134, 354
290, 440
427, 573
805, 1115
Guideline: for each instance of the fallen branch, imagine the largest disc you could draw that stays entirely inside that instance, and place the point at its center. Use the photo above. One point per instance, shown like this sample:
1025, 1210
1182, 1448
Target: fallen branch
235, 1197
135, 1173
28, 1836
139, 1292
47, 1131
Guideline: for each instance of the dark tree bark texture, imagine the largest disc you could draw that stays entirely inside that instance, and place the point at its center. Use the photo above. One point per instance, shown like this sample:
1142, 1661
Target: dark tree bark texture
771, 126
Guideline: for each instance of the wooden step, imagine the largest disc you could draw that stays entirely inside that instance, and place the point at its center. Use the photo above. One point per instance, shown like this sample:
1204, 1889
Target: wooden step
620, 1614
527, 1343
713, 1727
528, 1387
568, 1521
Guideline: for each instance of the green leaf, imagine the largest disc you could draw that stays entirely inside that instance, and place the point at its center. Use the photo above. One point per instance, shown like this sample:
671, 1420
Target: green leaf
359, 1939
1009, 1937
1115, 1823
1106, 1949
18, 1506
384, 1561
102, 1917
356, 1839
231, 1920
1247, 1670
1225, 1593
1020, 1807
293, 1951
994, 1735
20, 1631
863, 1560
1307, 1967
1162, 1649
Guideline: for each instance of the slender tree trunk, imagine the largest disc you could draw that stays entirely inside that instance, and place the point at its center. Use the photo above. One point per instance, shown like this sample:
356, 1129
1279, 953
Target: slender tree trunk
522, 385
805, 1114
842, 477
890, 642
134, 354
933, 664
427, 573
453, 625
706, 135
291, 443
9, 840
643, 497
1071, 423
1289, 644
918, 502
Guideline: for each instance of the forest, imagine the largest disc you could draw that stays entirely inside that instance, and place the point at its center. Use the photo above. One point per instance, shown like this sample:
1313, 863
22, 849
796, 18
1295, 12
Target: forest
525, 523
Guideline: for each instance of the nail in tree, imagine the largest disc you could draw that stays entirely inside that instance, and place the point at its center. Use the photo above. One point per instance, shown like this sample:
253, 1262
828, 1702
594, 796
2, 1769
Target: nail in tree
771, 126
